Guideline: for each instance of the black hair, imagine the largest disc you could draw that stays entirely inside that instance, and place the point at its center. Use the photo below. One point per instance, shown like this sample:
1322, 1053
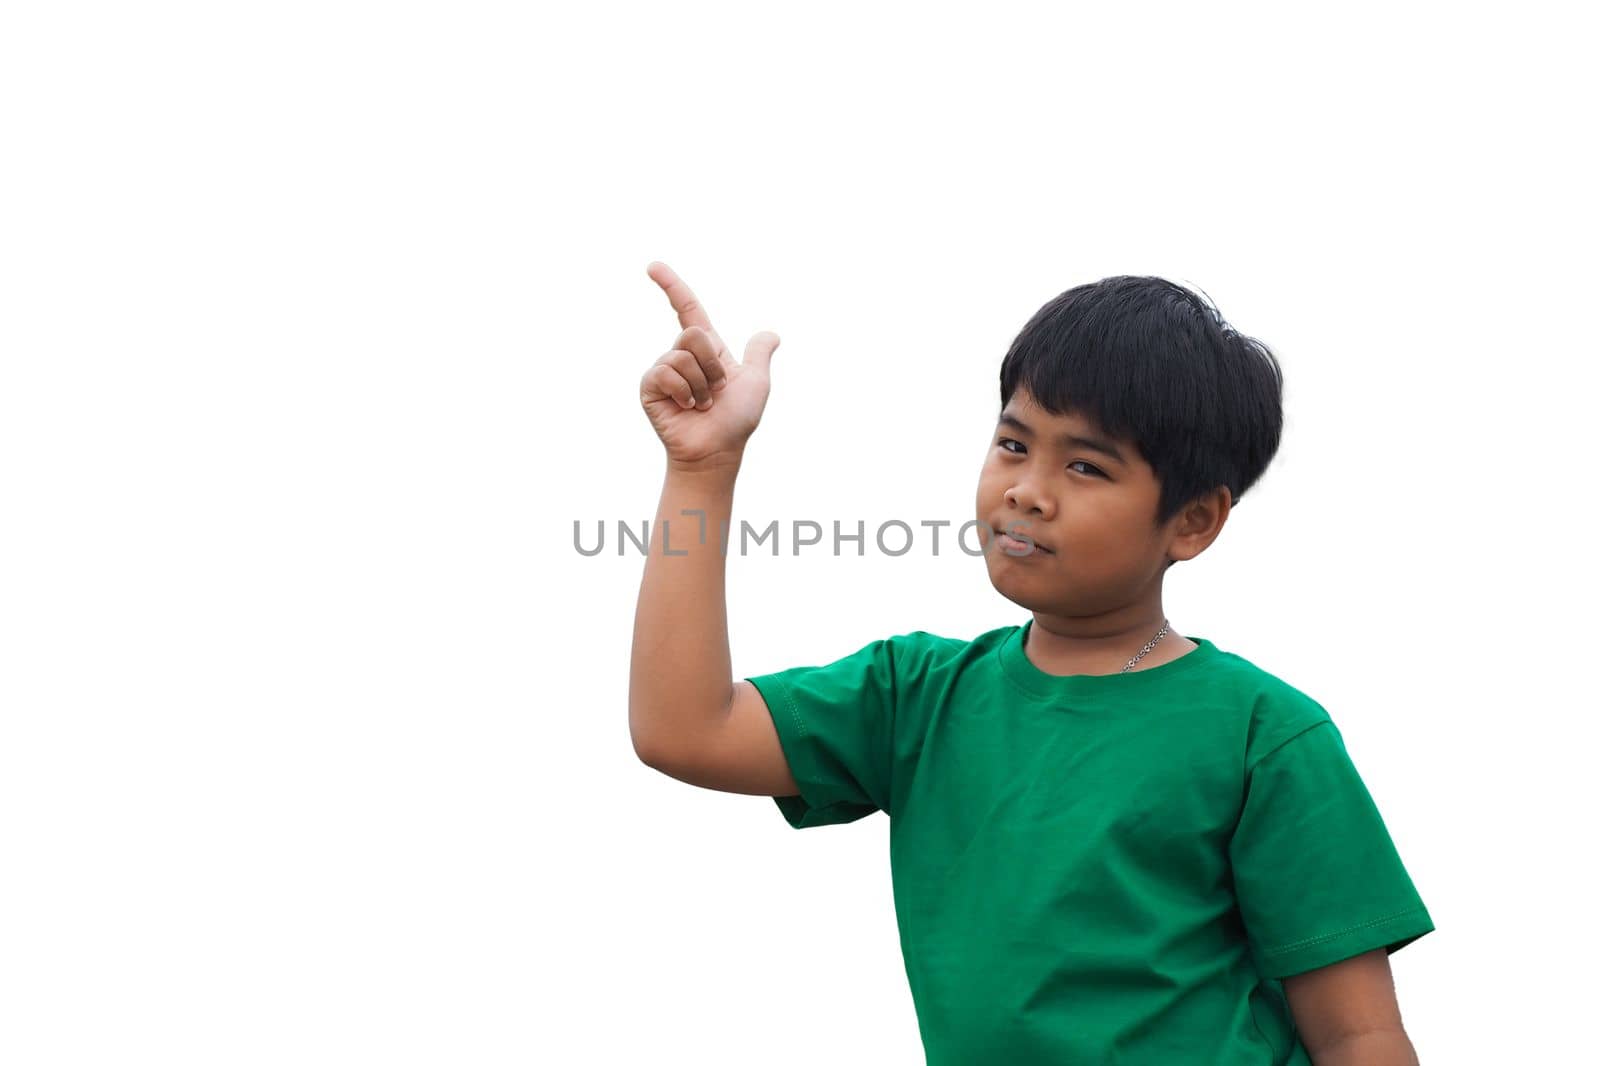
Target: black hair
1147, 360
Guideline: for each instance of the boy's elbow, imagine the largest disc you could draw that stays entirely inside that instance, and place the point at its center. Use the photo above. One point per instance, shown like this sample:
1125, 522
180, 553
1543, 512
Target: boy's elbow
651, 755
644, 748
663, 737
1375, 1047
644, 729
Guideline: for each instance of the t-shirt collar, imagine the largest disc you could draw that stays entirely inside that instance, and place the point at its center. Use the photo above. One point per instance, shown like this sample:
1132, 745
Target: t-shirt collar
1014, 660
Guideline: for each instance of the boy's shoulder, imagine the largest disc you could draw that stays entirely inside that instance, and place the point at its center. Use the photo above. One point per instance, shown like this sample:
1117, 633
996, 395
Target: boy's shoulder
928, 649
1278, 710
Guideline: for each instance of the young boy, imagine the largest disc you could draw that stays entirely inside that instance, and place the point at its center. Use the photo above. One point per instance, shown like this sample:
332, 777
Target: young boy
1109, 842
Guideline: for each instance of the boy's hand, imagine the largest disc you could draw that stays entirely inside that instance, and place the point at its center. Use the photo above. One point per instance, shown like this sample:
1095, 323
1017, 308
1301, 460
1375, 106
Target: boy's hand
703, 405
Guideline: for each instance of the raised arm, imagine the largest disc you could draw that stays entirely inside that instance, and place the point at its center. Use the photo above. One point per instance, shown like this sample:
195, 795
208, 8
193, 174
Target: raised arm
686, 716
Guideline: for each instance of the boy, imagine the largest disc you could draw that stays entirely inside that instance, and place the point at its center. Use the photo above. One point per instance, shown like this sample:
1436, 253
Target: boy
1109, 842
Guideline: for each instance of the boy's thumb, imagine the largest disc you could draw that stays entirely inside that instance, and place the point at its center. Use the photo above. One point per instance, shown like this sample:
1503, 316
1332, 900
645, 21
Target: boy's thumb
758, 352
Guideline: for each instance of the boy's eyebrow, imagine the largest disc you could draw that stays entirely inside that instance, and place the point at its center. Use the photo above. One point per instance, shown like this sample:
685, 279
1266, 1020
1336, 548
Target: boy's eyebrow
1095, 444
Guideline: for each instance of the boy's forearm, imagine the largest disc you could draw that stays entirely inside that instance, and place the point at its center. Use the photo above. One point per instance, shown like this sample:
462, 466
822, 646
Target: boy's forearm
681, 674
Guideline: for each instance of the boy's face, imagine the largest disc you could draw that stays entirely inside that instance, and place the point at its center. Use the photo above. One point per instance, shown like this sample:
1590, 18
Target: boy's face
1094, 512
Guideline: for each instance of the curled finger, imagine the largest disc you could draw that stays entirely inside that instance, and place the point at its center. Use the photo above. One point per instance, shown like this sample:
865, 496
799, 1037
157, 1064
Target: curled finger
704, 347
663, 380
686, 363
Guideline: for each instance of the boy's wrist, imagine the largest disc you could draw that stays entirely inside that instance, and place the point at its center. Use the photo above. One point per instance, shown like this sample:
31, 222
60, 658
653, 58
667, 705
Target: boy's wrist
713, 468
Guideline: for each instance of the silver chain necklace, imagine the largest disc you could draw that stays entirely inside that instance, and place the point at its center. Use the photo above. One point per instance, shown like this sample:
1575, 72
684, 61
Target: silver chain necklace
1147, 647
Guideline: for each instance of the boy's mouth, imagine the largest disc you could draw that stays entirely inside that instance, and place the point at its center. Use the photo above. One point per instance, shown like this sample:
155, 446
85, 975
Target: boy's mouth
1014, 546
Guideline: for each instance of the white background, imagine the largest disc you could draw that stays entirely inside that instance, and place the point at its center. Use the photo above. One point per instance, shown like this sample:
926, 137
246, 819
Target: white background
322, 323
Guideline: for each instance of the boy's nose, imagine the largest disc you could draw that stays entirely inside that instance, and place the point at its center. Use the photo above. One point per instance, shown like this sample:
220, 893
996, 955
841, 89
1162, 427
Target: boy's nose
1026, 499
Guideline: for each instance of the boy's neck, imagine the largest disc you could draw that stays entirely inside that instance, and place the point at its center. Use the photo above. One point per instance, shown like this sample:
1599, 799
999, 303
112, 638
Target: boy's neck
1064, 647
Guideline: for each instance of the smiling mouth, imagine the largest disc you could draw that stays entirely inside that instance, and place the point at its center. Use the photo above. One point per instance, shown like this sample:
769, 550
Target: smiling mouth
1015, 547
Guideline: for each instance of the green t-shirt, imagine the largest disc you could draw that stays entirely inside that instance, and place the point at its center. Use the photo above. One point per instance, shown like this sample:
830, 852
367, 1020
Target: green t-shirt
1097, 868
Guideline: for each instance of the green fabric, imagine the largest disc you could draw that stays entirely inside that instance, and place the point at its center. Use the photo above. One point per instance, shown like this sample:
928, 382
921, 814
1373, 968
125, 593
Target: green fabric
1114, 868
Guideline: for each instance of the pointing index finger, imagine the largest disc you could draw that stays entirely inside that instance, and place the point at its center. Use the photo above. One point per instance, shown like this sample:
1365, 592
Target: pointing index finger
690, 312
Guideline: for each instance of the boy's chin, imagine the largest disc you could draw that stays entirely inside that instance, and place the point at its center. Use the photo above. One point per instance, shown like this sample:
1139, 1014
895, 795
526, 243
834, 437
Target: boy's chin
1031, 599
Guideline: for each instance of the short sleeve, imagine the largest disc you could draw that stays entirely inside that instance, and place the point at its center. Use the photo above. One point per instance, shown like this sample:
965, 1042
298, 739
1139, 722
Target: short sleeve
1316, 874
836, 726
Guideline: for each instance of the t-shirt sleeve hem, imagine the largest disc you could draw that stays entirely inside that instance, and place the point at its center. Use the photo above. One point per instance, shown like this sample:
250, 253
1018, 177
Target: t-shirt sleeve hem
1391, 933
805, 810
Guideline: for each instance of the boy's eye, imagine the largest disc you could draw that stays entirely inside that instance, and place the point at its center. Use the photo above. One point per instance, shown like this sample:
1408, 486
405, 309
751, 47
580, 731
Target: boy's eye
1090, 469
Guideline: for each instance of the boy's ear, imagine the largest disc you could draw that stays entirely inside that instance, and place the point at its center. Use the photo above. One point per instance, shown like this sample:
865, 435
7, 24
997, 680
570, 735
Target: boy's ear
1198, 524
